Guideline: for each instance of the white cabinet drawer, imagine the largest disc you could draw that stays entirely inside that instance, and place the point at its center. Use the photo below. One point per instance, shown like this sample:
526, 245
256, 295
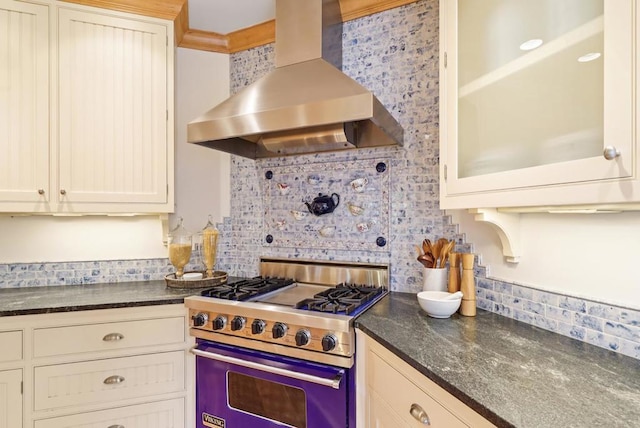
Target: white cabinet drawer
10, 346
107, 336
161, 414
108, 380
400, 394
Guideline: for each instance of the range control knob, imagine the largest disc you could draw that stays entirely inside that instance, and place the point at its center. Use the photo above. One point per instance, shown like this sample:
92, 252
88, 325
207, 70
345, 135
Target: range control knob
237, 323
257, 327
303, 337
200, 319
329, 342
219, 322
279, 330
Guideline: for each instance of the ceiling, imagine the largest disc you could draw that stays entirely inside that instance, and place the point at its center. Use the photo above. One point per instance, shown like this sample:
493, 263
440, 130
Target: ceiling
225, 16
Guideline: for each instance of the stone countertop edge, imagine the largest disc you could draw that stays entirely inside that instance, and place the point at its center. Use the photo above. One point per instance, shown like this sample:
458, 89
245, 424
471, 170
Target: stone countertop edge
511, 373
83, 297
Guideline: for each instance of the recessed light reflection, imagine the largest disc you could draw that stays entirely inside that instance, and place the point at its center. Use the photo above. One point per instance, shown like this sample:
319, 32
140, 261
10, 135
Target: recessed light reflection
589, 57
531, 44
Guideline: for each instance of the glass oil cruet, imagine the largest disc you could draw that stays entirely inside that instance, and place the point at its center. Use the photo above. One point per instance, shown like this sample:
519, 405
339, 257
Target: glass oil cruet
209, 246
180, 241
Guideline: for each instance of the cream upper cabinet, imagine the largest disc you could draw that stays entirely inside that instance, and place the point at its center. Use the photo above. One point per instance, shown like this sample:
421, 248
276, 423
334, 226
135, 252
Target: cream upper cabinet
24, 103
113, 111
10, 399
86, 110
539, 103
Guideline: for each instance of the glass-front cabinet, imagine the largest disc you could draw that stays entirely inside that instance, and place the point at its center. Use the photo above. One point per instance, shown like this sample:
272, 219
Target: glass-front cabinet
539, 103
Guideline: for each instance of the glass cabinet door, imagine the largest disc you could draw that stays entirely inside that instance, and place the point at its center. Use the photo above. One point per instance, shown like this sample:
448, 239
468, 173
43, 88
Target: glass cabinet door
535, 91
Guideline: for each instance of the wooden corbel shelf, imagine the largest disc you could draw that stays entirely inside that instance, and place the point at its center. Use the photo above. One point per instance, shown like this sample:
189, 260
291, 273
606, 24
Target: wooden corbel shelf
506, 225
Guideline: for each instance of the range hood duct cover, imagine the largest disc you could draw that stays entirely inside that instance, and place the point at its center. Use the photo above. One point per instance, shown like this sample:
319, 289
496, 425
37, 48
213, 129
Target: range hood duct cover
306, 104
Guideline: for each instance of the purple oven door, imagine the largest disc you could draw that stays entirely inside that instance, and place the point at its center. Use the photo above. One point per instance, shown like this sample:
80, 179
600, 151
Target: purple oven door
242, 388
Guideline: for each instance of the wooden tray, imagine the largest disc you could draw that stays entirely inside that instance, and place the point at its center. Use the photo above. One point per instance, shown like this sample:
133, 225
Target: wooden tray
219, 277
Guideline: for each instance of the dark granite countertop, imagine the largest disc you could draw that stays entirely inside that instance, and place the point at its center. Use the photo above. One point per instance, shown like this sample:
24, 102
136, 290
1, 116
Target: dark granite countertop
513, 374
39, 300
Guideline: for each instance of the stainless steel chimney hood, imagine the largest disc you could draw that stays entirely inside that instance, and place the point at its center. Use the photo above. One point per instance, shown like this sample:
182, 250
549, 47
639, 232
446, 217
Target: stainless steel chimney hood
305, 105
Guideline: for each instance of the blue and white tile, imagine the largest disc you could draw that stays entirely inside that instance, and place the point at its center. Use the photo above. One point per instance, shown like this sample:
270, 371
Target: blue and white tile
602, 340
623, 331
587, 321
573, 331
559, 314
573, 304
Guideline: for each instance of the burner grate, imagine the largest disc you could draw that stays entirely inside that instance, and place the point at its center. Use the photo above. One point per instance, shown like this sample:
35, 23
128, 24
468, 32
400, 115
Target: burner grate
247, 288
343, 298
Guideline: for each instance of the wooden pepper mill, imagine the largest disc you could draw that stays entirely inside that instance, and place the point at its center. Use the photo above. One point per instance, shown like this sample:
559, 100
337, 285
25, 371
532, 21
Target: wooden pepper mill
468, 286
454, 273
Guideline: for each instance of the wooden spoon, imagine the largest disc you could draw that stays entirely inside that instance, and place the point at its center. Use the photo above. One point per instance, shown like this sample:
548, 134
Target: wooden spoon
426, 246
437, 251
442, 244
445, 253
426, 260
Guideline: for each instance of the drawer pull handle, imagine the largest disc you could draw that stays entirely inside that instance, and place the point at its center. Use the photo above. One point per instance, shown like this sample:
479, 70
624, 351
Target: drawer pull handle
116, 426
419, 414
112, 380
113, 337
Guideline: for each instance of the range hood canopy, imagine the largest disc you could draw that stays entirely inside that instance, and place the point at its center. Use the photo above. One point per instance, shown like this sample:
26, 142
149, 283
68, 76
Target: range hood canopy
305, 105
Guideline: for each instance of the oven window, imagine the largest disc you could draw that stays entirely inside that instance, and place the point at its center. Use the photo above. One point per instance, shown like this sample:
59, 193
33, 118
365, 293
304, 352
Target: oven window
271, 400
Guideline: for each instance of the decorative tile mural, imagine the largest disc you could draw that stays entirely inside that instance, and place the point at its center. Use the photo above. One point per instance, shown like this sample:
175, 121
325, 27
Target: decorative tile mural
343, 206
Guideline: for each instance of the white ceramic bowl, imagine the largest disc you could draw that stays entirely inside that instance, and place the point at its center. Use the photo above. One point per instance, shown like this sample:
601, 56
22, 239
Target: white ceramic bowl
431, 302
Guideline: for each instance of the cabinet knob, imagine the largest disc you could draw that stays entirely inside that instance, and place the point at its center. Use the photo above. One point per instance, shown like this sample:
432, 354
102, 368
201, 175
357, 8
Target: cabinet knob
40, 191
63, 192
610, 153
113, 337
112, 380
419, 414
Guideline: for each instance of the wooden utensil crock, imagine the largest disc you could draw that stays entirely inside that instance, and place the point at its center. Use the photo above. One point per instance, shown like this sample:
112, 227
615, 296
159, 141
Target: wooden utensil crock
468, 286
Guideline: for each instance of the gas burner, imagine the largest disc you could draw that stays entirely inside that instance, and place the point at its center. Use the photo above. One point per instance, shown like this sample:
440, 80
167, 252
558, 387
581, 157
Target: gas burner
247, 288
343, 298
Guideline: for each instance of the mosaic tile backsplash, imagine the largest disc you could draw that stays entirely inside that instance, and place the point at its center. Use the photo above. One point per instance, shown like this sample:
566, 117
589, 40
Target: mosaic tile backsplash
395, 55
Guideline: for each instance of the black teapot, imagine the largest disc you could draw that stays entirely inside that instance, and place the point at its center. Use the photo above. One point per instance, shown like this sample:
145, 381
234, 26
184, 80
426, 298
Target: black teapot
323, 204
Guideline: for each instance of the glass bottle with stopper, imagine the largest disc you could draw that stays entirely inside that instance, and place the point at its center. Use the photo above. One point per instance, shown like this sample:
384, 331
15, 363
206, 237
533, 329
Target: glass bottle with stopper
209, 247
180, 241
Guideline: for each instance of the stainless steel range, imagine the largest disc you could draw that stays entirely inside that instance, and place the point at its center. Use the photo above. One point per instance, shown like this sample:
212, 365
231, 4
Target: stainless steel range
278, 350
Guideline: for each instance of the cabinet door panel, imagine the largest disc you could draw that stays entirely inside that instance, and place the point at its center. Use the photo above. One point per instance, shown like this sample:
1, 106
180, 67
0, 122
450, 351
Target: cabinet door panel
111, 380
10, 399
24, 103
113, 109
10, 346
521, 122
107, 336
380, 414
162, 414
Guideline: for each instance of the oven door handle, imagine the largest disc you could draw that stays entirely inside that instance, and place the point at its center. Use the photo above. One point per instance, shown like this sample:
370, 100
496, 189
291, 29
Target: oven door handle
333, 383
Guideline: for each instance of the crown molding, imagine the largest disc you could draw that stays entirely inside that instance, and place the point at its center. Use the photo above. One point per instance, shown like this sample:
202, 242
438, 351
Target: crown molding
246, 38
